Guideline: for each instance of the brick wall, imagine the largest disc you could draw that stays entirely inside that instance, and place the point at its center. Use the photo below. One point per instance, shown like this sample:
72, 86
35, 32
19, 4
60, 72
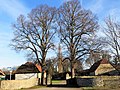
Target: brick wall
18, 84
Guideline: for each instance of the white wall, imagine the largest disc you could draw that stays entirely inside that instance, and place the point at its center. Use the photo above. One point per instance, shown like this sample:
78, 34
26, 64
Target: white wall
26, 76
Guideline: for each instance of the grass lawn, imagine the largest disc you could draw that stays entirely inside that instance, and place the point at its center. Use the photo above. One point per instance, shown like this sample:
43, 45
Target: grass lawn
58, 81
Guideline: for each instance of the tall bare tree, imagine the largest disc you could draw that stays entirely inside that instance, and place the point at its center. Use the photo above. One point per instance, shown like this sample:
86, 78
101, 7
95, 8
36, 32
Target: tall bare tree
76, 26
93, 57
96, 52
112, 32
35, 33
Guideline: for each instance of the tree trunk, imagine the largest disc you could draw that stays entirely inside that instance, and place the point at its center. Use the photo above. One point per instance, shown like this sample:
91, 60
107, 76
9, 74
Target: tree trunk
42, 78
49, 79
43, 68
72, 71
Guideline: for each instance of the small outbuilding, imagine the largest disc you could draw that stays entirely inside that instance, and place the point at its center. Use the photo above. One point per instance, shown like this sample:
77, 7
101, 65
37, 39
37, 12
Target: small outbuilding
103, 67
28, 70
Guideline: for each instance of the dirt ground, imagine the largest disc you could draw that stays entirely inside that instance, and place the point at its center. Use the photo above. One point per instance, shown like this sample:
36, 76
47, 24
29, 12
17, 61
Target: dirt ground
56, 88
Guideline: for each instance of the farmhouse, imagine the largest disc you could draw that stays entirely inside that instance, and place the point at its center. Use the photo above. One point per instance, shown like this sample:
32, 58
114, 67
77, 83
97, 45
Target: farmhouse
101, 67
27, 71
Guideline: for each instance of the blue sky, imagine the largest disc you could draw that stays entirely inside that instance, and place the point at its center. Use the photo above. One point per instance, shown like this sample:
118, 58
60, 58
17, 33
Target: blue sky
11, 9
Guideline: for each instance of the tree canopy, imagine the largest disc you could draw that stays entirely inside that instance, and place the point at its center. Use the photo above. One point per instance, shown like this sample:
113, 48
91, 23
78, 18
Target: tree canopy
76, 27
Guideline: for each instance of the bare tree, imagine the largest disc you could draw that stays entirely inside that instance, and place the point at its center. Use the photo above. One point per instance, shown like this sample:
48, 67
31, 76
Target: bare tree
35, 33
93, 57
96, 46
76, 26
112, 32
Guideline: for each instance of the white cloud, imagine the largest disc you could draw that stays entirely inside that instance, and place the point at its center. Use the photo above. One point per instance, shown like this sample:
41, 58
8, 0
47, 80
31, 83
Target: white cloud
13, 7
65, 0
114, 12
97, 6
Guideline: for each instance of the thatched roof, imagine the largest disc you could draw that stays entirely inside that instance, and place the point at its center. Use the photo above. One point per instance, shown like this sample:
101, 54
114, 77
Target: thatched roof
28, 67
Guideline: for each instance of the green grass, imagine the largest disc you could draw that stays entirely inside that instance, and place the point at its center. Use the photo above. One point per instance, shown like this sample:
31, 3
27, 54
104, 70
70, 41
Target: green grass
56, 81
